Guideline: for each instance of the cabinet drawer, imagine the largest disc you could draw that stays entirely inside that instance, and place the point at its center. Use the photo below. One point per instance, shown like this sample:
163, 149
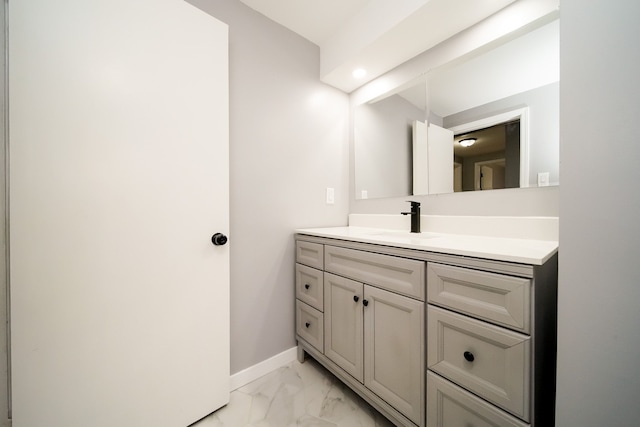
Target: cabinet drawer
309, 286
501, 299
449, 405
311, 254
490, 361
401, 275
310, 324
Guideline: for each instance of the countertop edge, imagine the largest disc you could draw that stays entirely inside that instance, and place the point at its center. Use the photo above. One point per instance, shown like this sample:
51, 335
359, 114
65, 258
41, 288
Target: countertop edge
521, 251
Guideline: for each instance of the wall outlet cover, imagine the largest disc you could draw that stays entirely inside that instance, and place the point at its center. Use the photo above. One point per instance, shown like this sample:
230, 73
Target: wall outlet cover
543, 179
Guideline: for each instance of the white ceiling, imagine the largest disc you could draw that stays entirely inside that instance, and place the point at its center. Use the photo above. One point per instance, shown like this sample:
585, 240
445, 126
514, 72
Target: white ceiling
376, 35
314, 20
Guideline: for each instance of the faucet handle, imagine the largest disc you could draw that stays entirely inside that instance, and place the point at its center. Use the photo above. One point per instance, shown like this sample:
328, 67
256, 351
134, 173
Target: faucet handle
415, 216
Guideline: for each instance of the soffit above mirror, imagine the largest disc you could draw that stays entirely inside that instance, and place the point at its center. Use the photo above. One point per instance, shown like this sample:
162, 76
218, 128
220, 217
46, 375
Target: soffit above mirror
376, 35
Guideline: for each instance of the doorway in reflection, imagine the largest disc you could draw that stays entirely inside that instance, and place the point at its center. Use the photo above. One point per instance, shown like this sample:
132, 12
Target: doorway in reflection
491, 161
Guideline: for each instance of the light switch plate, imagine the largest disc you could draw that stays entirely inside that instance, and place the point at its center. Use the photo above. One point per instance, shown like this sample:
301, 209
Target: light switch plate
330, 196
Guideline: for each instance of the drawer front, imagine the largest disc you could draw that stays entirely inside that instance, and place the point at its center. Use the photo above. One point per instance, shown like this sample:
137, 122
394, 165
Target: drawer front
401, 275
309, 286
311, 254
310, 325
490, 361
449, 405
500, 299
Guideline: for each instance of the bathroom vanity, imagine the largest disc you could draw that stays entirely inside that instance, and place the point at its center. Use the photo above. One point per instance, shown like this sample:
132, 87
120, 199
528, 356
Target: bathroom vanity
432, 329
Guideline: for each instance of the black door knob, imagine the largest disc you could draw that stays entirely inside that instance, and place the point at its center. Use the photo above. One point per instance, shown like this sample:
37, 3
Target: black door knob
307, 286
365, 302
219, 239
468, 356
356, 298
307, 324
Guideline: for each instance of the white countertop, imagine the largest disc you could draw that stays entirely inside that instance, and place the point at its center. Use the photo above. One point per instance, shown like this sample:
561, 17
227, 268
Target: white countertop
525, 251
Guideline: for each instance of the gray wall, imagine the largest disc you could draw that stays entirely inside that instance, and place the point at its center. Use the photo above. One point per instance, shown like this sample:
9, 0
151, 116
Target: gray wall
4, 387
599, 283
288, 142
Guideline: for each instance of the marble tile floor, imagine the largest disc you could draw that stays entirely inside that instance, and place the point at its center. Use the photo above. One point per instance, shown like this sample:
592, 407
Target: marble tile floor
298, 394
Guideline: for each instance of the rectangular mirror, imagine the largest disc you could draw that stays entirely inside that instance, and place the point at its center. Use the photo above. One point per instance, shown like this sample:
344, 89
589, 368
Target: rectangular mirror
505, 96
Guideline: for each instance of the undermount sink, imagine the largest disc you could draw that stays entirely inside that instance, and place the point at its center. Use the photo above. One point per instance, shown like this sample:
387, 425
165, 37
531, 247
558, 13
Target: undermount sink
406, 235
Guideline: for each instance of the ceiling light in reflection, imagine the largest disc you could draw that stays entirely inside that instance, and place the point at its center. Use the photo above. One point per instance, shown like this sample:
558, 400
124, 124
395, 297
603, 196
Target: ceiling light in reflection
467, 142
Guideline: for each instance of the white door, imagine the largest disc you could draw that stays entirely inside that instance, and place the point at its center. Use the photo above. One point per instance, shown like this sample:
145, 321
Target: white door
420, 158
118, 179
440, 160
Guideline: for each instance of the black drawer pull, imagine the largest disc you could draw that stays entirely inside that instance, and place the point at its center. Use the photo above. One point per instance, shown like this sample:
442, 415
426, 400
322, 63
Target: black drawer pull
468, 356
365, 302
307, 324
356, 298
307, 286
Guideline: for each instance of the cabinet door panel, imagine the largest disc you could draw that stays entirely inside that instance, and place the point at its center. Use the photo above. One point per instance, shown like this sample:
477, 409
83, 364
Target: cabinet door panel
394, 350
343, 323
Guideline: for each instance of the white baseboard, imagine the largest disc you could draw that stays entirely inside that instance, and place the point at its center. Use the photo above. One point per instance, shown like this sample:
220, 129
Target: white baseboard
258, 370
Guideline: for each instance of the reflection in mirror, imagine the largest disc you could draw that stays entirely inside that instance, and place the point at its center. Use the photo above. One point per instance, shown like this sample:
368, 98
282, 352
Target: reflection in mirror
513, 80
492, 153
383, 135
488, 158
515, 85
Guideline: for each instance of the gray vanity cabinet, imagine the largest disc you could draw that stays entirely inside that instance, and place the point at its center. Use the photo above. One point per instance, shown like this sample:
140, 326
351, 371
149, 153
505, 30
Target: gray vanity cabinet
431, 339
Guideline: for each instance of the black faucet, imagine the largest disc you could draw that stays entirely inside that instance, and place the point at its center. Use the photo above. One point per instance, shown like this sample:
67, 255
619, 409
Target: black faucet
415, 216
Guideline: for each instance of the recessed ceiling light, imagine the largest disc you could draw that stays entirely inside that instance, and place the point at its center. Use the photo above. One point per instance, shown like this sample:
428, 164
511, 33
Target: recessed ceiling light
359, 73
468, 142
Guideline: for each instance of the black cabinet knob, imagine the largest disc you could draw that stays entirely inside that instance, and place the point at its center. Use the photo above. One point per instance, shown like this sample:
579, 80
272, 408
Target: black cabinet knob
365, 302
306, 286
356, 298
219, 239
468, 356
307, 324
